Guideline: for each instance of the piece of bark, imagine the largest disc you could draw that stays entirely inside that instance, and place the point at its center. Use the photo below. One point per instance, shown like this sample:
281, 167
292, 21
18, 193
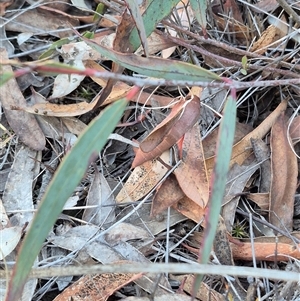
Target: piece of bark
22, 123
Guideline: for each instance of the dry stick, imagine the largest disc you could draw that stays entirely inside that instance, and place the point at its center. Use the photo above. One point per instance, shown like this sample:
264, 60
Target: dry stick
229, 61
141, 82
215, 43
289, 10
224, 46
174, 268
265, 223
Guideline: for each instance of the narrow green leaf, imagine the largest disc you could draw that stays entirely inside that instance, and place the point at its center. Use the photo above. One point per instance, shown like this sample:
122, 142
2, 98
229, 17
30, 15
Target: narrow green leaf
244, 61
154, 13
65, 180
99, 12
245, 65
89, 35
156, 67
199, 7
219, 178
6, 76
224, 150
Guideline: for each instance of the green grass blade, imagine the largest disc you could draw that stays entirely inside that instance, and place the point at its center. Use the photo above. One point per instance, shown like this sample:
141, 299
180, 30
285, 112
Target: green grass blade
219, 178
65, 180
199, 7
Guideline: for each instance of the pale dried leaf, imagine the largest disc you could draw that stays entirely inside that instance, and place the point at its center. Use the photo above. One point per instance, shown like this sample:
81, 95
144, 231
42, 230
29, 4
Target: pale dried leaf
154, 225
191, 174
143, 179
23, 37
23, 124
221, 244
108, 20
130, 253
4, 220
71, 202
75, 238
74, 125
99, 195
190, 209
18, 189
64, 84
166, 195
38, 21
156, 42
102, 252
238, 177
284, 177
30, 285
52, 109
2, 289
51, 126
262, 154
124, 232
205, 293
214, 99
260, 199
10, 237
81, 4
294, 129
82, 52
29, 290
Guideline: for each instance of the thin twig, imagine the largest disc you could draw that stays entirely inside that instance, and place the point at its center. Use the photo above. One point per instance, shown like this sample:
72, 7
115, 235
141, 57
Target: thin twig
287, 7
226, 47
173, 268
230, 62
